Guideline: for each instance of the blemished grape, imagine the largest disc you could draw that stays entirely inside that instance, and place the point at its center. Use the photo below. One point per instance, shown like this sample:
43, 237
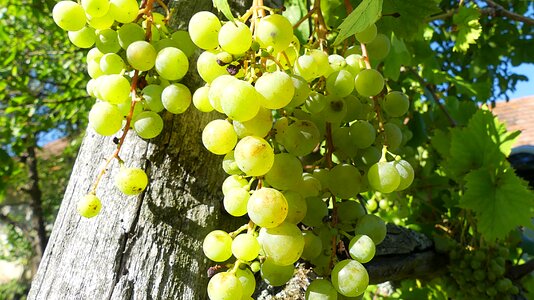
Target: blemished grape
334, 110
89, 206
383, 177
115, 89
316, 212
217, 246
276, 88
131, 181
129, 33
224, 286
111, 63
369, 82
260, 125
267, 207
208, 68
296, 207
95, 8
171, 63
274, 31
245, 247
229, 165
362, 248
239, 101
105, 118
103, 22
253, 155
344, 181
373, 227
274, 274
141, 55
176, 98
204, 30
350, 278
321, 289
69, 15
83, 38
148, 124
124, 11
406, 173
201, 100
396, 104
367, 35
312, 245
235, 37
235, 201
363, 133
378, 48
219, 137
248, 282
152, 96
340, 83
285, 173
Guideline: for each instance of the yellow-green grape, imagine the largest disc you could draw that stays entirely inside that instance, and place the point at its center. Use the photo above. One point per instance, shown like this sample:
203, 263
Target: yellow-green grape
260, 125
235, 201
124, 11
340, 83
89, 206
344, 147
253, 155
94, 55
282, 244
336, 62
105, 118
309, 186
69, 15
372, 226
306, 67
276, 88
95, 8
245, 247
406, 174
248, 282
285, 173
296, 207
184, 42
115, 89
316, 212
267, 207
172, 63
152, 96
219, 137
334, 110
378, 48
312, 245
83, 38
321, 60
350, 278
208, 68
111, 63
369, 82
315, 103
126, 106
302, 91
396, 104
274, 31
129, 33
232, 182
216, 90
239, 101
344, 181
107, 41
363, 133
367, 35
201, 99
141, 55
224, 286
362, 248
274, 274
321, 289
217, 246
235, 37
131, 181
176, 98
383, 177
392, 136
301, 137
348, 212
355, 63
103, 22
204, 30
148, 124
229, 165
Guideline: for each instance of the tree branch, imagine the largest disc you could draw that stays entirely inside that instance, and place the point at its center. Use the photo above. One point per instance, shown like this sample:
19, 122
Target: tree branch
516, 272
511, 15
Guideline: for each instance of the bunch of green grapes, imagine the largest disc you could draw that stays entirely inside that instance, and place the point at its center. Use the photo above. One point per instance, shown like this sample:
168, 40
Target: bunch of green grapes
135, 64
283, 105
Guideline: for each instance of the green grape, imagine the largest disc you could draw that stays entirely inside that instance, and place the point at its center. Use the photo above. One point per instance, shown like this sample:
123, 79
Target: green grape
89, 206
105, 118
371, 155
280, 126
396, 104
165, 43
267, 207
367, 35
152, 96
363, 133
103, 22
302, 91
107, 41
276, 88
316, 212
248, 282
282, 244
246, 247
383, 177
229, 165
254, 155
322, 176
315, 103
355, 63
336, 62
369, 82
296, 207
131, 181
362, 248
344, 147
235, 201
301, 138
216, 90
322, 264
124, 11
309, 186
83, 38
184, 42
204, 30
69, 15
392, 136
312, 245
219, 137
141, 55
321, 289
350, 278
260, 125
176, 98
148, 124
94, 55
114, 89
406, 174
129, 33
344, 181
171, 63
201, 100
274, 31
111, 63
306, 67
285, 173
255, 266
274, 274
224, 286
373, 227
234, 181
334, 110
217, 246
95, 8
235, 37
125, 107
378, 48
348, 212
208, 68
90, 87
239, 101
340, 83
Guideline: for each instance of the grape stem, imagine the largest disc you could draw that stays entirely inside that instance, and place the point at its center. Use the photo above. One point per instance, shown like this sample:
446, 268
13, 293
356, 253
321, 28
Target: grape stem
244, 227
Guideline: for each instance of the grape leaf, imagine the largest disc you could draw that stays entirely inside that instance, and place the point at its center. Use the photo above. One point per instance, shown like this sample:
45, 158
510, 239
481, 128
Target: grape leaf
367, 13
501, 202
399, 57
224, 7
407, 18
295, 10
469, 29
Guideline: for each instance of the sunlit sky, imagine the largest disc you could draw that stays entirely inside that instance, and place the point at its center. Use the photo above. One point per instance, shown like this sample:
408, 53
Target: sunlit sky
524, 88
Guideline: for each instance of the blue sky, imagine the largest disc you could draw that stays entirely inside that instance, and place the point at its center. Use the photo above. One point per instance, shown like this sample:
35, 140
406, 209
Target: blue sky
524, 88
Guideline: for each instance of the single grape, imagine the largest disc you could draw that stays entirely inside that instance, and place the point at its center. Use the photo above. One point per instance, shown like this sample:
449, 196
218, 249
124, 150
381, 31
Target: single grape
229, 165
235, 201
201, 100
392, 136
245, 247
340, 83
219, 137
83, 38
224, 286
285, 173
267, 207
363, 133
103, 22
131, 181
232, 182
350, 278
239, 100
373, 227
378, 48
89, 206
334, 110
344, 147
141, 55
315, 103
316, 212
260, 125
301, 138
321, 60
69, 15
115, 89
235, 37
124, 11
254, 155
302, 91
274, 31
321, 289
362, 248
176, 98
312, 245
406, 174
355, 63
148, 124
111, 63
309, 186
171, 63
396, 104
248, 282
306, 67
204, 29
208, 68
367, 35
95, 8
274, 274
152, 96
344, 181
383, 177
184, 42
348, 212
217, 246
129, 33
296, 207
369, 82
105, 118
276, 88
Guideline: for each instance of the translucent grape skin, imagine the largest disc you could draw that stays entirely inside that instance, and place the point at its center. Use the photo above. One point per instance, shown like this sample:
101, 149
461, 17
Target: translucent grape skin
217, 246
224, 286
274, 31
69, 15
383, 177
148, 124
219, 137
239, 101
406, 174
396, 104
267, 207
89, 206
321, 289
171, 63
350, 278
83, 38
141, 55
362, 248
372, 226
245, 247
115, 89
235, 201
131, 181
204, 28
274, 274
235, 37
105, 118
107, 41
369, 82
248, 282
176, 98
276, 88
201, 100
254, 156
282, 244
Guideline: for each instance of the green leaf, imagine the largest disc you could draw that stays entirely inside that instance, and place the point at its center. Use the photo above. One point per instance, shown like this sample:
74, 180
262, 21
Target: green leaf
501, 202
399, 56
469, 29
367, 13
295, 10
407, 18
224, 7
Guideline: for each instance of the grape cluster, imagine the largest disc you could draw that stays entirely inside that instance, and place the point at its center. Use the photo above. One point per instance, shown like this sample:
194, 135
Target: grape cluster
135, 67
479, 274
286, 106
